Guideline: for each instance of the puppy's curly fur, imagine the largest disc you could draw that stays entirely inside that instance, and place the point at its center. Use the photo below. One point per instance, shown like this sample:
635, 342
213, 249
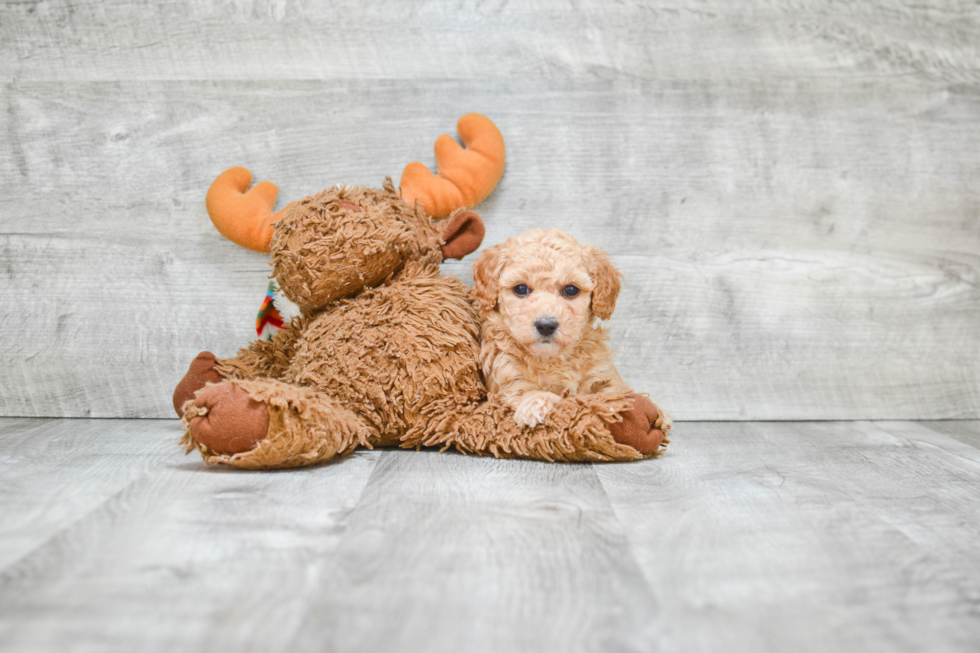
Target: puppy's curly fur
539, 294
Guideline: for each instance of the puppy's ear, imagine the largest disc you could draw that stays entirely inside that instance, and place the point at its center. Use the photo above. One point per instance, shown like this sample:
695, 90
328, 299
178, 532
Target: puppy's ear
486, 270
607, 280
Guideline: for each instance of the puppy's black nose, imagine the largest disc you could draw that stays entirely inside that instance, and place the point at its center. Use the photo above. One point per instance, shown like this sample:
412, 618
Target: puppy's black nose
546, 326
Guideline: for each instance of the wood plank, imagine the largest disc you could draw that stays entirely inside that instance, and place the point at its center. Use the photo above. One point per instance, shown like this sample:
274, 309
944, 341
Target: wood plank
677, 39
967, 431
807, 536
449, 553
164, 554
802, 258
55, 472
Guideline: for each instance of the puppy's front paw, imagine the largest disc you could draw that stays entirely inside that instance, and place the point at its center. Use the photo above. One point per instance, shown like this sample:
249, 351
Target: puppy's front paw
531, 408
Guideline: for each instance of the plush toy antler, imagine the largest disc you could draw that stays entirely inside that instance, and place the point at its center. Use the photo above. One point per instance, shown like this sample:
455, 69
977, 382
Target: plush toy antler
466, 176
243, 216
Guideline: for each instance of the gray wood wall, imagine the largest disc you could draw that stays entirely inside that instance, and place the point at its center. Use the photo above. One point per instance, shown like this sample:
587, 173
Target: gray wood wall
792, 189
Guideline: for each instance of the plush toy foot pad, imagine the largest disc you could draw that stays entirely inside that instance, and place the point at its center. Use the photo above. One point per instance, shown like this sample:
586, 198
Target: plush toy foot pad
202, 371
232, 423
643, 428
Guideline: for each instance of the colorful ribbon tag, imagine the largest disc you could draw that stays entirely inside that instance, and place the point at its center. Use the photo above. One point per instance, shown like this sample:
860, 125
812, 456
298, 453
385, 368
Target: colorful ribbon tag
276, 313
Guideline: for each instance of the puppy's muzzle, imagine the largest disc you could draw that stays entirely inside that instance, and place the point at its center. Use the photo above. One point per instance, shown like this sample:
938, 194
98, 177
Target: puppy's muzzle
546, 326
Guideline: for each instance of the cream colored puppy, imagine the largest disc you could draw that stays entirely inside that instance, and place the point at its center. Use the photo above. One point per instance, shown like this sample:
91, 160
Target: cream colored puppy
539, 295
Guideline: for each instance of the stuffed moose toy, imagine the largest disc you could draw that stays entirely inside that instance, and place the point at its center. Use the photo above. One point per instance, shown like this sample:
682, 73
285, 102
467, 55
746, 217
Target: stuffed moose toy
385, 351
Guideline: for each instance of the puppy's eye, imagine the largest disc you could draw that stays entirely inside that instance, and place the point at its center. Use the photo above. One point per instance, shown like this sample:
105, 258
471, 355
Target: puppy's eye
569, 291
521, 290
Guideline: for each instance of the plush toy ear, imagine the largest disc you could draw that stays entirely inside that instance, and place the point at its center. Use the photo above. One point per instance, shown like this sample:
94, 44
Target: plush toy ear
462, 233
486, 271
607, 280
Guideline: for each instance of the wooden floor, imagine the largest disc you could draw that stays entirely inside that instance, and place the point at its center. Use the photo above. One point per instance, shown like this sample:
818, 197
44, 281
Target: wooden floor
819, 536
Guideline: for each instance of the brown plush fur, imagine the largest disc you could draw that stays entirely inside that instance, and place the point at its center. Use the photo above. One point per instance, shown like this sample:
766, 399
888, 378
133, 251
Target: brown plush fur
320, 254
576, 430
386, 350
305, 428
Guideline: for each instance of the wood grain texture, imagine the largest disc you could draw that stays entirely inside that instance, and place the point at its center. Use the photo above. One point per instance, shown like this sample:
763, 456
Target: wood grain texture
831, 536
160, 552
472, 39
789, 188
808, 536
967, 431
519, 557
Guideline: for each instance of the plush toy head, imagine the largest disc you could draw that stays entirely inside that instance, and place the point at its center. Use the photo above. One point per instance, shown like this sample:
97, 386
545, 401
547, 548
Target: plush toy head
341, 240
337, 242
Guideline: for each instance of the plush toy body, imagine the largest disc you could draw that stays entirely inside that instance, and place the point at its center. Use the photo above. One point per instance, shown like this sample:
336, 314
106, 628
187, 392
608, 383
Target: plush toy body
357, 373
386, 351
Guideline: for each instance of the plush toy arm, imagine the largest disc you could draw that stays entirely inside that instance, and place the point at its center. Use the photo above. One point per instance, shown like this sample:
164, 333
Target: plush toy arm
578, 429
263, 358
645, 427
466, 176
203, 370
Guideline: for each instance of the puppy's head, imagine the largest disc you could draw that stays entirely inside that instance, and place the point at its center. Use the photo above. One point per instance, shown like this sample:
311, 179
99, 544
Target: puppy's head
546, 288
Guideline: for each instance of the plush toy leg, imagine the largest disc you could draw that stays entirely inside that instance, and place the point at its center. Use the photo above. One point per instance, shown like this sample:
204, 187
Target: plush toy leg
227, 419
577, 429
203, 370
265, 423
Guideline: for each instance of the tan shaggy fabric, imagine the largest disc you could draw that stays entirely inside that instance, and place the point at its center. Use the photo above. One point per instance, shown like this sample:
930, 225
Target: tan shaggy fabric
304, 428
576, 430
322, 251
263, 358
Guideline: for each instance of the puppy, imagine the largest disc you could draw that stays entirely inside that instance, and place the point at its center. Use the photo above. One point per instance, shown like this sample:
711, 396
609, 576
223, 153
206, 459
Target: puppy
539, 294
